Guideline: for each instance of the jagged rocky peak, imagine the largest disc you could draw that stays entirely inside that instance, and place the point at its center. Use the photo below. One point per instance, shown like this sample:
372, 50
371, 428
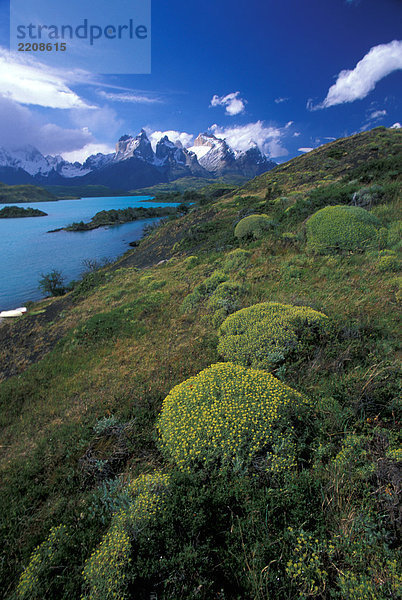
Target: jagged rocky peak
168, 152
252, 162
213, 153
97, 161
139, 146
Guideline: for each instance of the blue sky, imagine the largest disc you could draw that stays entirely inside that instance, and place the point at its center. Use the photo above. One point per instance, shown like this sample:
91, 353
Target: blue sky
287, 74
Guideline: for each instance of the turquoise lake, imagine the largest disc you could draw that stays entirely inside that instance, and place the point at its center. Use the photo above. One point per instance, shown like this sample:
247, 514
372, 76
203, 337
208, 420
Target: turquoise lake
27, 250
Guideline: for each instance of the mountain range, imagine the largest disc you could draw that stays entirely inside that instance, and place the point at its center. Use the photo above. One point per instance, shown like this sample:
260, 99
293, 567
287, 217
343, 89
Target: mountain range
135, 164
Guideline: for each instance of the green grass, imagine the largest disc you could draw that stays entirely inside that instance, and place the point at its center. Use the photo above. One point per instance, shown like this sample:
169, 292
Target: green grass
78, 425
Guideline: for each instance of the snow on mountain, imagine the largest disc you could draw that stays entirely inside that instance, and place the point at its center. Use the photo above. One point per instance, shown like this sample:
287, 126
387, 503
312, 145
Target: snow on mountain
213, 153
134, 159
97, 161
139, 147
30, 160
200, 151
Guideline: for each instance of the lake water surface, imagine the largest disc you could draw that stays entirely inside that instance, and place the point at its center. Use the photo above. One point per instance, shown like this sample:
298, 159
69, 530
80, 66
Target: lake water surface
27, 250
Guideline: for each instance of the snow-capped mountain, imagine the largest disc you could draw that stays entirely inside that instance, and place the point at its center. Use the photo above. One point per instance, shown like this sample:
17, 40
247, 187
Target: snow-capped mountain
134, 164
139, 147
30, 160
216, 156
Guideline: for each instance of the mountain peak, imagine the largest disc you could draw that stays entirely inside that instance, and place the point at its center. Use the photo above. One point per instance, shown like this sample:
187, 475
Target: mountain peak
138, 147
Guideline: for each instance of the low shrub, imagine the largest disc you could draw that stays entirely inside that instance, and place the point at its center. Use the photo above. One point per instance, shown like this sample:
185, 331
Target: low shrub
190, 261
89, 282
231, 416
226, 296
368, 196
253, 227
236, 259
107, 326
203, 290
264, 334
395, 235
388, 262
336, 228
105, 572
33, 583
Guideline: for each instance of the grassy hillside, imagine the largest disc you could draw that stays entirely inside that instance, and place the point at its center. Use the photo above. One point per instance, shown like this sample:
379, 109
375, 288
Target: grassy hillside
193, 183
24, 193
274, 474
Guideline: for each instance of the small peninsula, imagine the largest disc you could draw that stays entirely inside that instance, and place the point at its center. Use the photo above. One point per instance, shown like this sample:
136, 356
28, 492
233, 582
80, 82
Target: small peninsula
13, 212
118, 217
10, 194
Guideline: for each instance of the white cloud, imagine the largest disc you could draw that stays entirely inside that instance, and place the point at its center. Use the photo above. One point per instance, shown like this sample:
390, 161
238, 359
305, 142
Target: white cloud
174, 136
396, 126
280, 100
377, 114
268, 139
234, 105
296, 134
19, 126
305, 149
89, 149
29, 82
129, 97
357, 83
103, 119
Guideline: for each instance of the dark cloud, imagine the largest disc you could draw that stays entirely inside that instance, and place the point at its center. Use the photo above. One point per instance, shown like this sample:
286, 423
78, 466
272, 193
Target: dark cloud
20, 126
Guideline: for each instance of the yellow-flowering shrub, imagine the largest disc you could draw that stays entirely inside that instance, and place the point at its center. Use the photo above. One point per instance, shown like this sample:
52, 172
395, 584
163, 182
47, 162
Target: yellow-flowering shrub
340, 227
230, 415
45, 556
263, 334
236, 259
306, 567
106, 570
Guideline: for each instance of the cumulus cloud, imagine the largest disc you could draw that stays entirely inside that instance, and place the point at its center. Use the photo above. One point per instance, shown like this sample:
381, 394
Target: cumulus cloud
268, 139
129, 97
305, 149
27, 81
234, 105
19, 126
186, 139
89, 149
357, 83
280, 100
396, 126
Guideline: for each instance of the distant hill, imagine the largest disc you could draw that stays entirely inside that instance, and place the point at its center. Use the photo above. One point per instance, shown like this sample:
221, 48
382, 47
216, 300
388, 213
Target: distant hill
24, 193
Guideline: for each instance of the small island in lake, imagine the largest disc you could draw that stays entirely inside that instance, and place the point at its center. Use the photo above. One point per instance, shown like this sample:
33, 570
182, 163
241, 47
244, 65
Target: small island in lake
119, 216
13, 212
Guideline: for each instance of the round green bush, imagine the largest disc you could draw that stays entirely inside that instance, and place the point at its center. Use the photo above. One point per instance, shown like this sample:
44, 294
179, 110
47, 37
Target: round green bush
253, 227
264, 334
388, 262
225, 296
232, 416
236, 259
335, 228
